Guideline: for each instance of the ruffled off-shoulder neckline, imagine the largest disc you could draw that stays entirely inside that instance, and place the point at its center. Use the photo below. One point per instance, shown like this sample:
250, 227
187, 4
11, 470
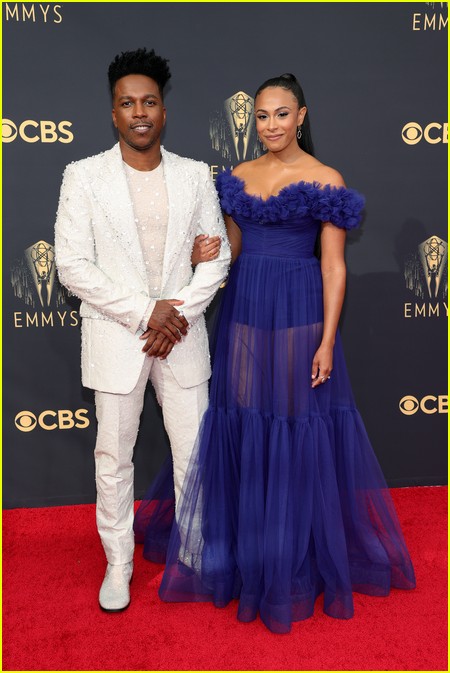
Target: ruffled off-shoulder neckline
328, 203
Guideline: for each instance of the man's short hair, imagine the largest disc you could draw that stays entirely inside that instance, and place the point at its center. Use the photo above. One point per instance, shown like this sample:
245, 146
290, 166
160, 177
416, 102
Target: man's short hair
139, 62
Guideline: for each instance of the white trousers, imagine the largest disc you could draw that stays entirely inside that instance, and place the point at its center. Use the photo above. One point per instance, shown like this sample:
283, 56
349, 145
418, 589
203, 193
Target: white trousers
118, 424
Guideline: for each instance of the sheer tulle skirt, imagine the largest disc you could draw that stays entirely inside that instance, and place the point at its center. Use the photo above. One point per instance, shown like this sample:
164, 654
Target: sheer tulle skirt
284, 498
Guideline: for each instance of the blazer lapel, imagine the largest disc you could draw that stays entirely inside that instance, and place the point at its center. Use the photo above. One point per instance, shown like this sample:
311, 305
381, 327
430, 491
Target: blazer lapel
111, 188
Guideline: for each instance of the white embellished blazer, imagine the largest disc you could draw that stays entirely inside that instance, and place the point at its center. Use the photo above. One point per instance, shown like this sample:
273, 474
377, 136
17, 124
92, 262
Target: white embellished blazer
100, 260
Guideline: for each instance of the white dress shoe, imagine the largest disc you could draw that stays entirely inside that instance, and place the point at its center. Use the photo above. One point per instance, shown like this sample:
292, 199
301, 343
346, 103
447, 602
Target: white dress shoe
115, 591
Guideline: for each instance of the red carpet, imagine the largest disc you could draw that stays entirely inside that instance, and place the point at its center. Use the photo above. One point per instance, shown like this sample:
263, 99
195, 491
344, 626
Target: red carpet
53, 566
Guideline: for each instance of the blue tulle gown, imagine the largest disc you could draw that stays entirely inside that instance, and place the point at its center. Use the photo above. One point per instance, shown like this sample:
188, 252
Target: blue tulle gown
284, 499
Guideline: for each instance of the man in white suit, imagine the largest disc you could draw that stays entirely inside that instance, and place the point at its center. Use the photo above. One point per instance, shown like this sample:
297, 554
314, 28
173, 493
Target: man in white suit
124, 234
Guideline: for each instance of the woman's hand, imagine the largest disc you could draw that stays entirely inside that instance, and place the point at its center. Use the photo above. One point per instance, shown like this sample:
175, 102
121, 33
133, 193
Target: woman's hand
322, 366
205, 249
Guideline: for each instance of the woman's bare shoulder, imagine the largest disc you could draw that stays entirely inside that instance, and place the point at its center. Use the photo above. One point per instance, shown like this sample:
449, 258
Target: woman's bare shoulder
247, 167
326, 175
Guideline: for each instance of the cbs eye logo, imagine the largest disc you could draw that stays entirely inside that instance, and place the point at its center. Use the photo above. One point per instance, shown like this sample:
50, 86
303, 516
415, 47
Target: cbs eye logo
63, 419
32, 131
430, 404
412, 133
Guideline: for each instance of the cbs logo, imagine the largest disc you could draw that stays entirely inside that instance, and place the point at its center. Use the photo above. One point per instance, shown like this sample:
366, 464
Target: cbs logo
64, 419
412, 133
430, 404
32, 132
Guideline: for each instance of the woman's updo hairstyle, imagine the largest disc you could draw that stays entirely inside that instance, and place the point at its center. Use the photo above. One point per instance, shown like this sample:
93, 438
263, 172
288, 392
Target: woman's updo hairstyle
289, 82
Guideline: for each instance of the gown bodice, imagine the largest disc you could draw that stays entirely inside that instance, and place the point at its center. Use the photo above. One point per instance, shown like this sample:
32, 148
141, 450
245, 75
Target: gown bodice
286, 225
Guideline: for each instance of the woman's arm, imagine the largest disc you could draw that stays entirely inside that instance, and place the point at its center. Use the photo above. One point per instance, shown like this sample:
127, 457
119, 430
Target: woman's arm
234, 236
333, 269
205, 249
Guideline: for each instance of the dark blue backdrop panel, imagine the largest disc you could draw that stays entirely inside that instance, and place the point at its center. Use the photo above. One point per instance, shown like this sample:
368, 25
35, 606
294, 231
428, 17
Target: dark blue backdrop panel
374, 76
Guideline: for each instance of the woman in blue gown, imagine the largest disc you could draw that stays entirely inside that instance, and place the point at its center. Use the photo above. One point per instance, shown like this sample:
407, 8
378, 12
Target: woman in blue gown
284, 499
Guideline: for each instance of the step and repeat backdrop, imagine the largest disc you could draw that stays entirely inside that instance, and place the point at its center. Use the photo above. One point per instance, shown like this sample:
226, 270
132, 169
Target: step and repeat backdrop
374, 75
